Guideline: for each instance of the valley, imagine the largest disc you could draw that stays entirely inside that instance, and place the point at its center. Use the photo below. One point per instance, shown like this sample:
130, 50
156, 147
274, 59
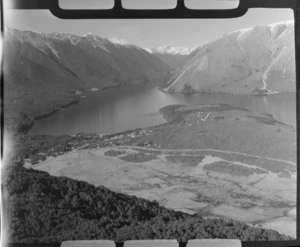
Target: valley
173, 56
131, 142
44, 72
213, 160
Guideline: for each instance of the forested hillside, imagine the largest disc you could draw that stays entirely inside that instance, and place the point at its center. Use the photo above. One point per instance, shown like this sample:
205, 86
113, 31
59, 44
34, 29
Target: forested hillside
44, 72
42, 208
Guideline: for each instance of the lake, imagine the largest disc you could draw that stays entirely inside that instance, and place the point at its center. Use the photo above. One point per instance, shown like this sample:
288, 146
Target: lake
130, 107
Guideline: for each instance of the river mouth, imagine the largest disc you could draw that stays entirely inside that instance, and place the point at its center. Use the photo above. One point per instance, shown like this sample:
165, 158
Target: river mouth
125, 108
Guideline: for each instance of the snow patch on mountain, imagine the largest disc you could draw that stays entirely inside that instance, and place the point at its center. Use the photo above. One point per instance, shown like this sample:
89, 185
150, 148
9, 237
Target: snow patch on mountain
96, 41
118, 41
173, 50
148, 50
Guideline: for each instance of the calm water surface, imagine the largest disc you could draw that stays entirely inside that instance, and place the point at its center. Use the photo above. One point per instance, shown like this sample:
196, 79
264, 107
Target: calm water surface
119, 109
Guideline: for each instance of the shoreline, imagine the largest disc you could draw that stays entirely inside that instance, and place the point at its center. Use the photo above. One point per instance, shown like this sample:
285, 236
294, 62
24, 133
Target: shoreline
25, 129
223, 93
28, 127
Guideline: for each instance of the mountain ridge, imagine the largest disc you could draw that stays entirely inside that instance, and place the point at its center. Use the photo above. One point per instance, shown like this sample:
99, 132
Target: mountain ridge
260, 59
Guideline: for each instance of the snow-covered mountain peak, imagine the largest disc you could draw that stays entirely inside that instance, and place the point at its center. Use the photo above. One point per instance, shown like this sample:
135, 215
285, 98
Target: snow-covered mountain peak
88, 35
274, 29
173, 56
173, 50
118, 41
287, 23
93, 37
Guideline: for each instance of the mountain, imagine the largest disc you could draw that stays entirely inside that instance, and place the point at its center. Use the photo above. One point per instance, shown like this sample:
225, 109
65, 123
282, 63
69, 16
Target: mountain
43, 72
173, 56
253, 60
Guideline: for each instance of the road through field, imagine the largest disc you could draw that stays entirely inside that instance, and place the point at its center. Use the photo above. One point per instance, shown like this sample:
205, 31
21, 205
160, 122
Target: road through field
212, 150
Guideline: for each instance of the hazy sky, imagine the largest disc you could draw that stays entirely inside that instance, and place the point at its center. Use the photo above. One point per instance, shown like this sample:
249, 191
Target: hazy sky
147, 33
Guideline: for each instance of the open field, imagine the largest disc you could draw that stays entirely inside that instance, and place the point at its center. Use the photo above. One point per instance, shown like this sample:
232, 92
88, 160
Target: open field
212, 160
247, 194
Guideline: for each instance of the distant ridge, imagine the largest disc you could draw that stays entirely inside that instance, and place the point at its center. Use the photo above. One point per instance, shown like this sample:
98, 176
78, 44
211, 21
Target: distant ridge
178, 50
173, 56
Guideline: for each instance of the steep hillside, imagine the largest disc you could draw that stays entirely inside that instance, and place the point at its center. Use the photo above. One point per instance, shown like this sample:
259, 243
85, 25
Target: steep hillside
173, 56
44, 71
253, 60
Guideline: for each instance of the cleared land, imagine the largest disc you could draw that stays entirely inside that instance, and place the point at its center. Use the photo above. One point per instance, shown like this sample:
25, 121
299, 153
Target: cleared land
213, 160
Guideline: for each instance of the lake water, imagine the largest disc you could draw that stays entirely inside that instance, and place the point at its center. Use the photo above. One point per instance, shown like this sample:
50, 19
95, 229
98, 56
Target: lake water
130, 107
